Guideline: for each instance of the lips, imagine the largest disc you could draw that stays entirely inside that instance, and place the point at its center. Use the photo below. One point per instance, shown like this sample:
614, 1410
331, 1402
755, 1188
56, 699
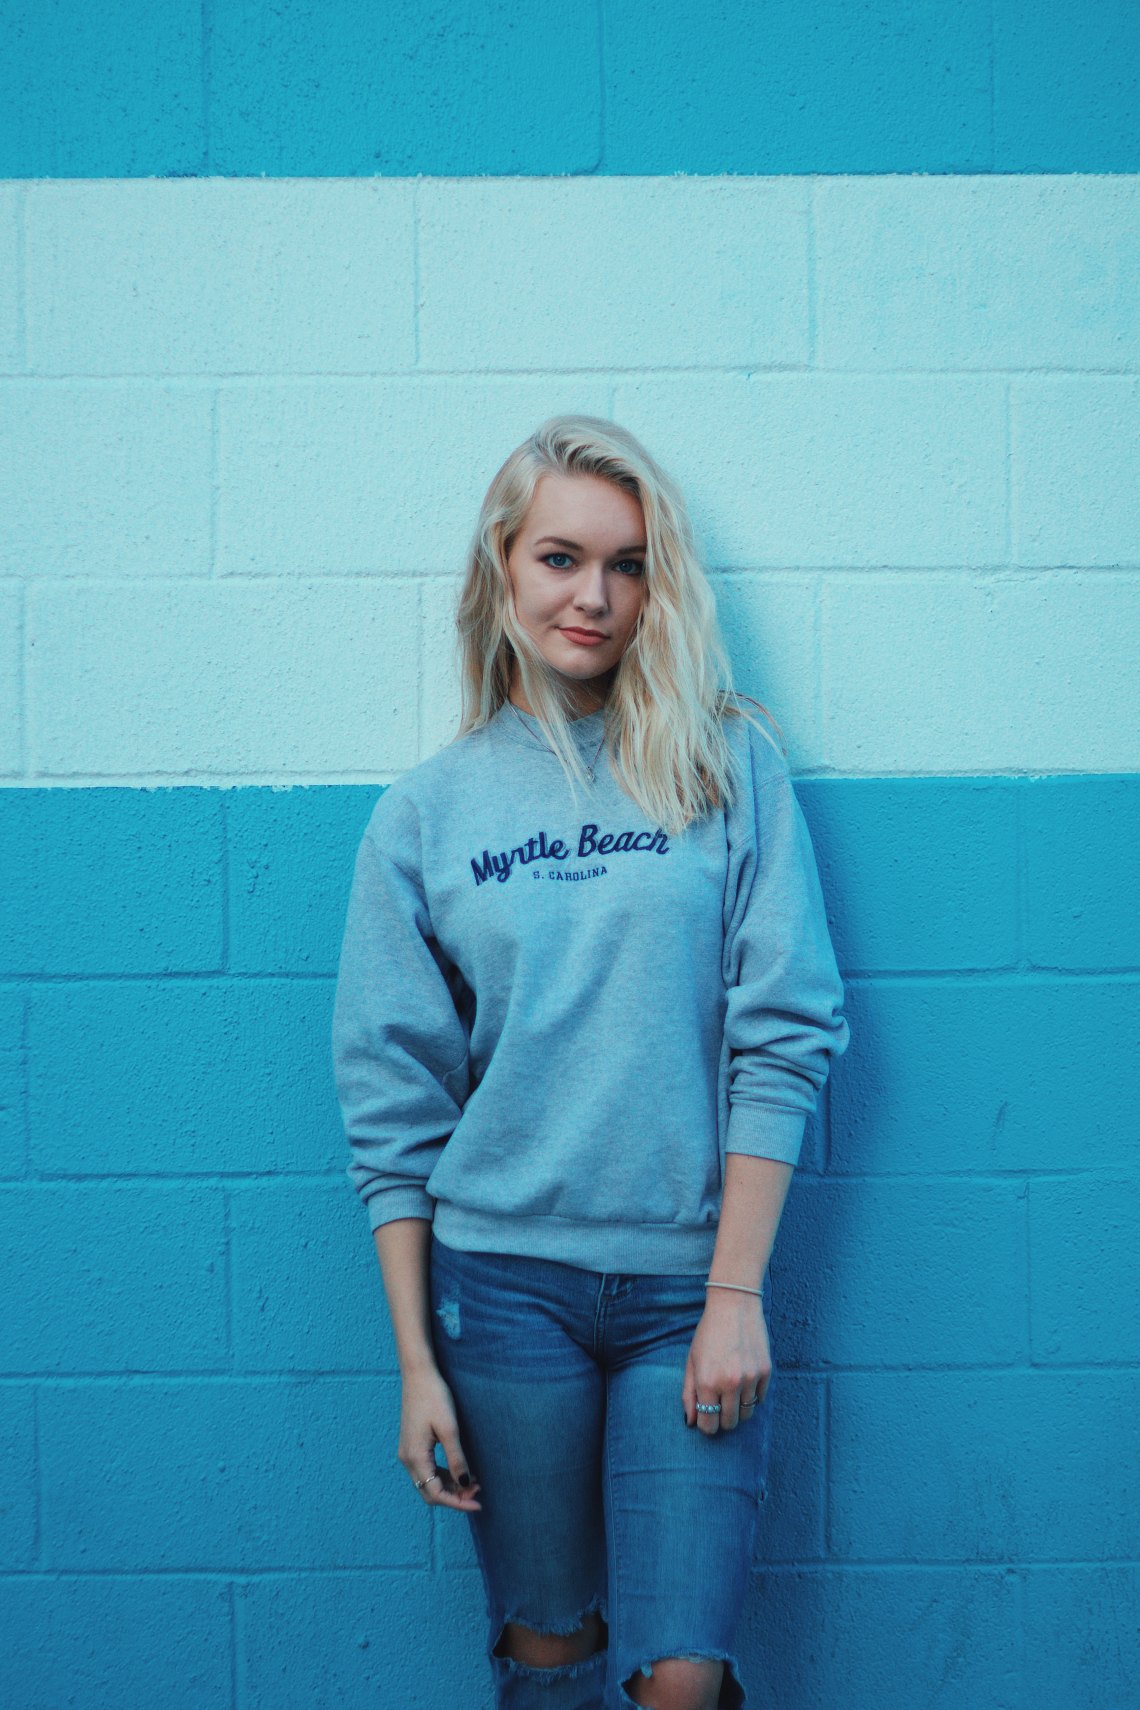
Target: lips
584, 634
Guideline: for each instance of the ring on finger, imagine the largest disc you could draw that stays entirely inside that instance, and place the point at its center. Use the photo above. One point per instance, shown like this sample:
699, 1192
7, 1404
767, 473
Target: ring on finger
420, 1482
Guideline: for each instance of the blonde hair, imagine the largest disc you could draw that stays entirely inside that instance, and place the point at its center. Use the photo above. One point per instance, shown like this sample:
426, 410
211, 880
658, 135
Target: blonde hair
672, 688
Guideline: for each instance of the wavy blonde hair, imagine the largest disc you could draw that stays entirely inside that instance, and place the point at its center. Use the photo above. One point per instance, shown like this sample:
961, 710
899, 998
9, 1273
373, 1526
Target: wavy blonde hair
672, 687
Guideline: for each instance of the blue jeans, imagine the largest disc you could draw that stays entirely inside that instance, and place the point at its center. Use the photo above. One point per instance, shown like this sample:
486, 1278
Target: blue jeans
596, 1494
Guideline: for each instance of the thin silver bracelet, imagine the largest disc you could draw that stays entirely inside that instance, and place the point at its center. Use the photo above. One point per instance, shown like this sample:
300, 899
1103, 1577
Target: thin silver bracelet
736, 1285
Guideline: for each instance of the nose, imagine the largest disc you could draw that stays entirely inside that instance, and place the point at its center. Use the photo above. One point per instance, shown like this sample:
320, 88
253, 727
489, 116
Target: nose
590, 593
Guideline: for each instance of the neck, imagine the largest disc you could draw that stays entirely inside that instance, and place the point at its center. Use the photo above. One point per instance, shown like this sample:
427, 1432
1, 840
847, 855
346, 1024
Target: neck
583, 699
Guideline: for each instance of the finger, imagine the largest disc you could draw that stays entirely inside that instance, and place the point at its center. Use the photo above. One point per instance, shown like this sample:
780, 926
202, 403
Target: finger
730, 1409
428, 1480
709, 1423
438, 1488
454, 1495
752, 1393
689, 1392
462, 1477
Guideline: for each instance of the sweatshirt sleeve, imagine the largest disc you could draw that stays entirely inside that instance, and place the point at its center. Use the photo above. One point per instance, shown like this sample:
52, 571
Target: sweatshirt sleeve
784, 1022
400, 1048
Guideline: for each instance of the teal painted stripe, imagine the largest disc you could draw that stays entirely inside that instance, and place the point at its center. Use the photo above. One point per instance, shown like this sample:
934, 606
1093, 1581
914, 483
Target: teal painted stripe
192, 1324
490, 87
988, 875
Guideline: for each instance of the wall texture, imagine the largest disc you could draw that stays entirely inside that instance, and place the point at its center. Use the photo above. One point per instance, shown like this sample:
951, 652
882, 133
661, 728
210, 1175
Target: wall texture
279, 287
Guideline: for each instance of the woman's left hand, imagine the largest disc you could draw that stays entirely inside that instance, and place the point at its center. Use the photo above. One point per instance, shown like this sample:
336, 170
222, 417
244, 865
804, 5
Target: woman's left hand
729, 1361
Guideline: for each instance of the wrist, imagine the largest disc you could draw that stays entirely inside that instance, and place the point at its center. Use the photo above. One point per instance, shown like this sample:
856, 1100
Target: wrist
416, 1362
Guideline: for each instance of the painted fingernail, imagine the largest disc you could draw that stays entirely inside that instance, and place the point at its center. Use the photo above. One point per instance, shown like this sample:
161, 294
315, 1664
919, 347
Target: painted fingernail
464, 1479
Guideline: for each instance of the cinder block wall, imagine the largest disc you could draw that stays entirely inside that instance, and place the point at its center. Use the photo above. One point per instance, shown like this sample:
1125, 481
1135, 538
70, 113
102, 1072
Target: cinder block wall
892, 353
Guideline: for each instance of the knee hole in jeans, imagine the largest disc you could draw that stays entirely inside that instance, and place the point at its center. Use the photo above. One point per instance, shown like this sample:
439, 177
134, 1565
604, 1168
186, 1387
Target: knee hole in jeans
692, 1681
520, 1643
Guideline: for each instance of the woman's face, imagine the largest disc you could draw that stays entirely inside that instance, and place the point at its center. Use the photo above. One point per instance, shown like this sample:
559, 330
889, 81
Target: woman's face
577, 568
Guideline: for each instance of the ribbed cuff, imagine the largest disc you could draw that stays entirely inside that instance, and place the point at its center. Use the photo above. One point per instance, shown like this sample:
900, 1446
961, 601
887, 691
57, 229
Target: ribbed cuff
386, 1204
766, 1131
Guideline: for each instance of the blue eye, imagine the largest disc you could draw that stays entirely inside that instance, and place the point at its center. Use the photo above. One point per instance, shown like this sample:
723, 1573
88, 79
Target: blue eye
635, 562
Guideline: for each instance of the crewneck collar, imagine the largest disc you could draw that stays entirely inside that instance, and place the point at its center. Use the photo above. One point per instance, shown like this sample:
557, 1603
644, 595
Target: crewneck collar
524, 727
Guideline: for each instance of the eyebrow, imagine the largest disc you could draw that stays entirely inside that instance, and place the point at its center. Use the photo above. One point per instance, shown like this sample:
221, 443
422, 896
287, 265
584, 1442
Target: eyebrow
556, 540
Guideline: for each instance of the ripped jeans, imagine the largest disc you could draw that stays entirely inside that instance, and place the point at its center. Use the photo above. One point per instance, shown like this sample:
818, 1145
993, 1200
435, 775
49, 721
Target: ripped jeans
596, 1494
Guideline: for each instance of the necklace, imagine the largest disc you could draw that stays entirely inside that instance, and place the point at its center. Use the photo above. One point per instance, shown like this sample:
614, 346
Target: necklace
546, 745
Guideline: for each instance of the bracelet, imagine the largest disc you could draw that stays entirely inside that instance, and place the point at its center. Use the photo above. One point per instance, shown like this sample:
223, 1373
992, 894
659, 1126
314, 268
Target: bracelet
736, 1285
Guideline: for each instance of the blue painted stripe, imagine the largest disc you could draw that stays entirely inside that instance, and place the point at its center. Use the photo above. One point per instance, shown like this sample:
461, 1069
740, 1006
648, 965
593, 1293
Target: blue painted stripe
491, 87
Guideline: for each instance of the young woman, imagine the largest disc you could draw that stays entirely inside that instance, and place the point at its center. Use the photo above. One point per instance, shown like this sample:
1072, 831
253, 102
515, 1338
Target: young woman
586, 1001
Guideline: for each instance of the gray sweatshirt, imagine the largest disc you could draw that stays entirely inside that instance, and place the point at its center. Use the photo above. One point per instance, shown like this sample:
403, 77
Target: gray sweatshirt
552, 1022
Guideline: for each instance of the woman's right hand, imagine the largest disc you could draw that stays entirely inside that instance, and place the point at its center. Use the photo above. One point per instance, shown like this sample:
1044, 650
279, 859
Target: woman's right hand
427, 1417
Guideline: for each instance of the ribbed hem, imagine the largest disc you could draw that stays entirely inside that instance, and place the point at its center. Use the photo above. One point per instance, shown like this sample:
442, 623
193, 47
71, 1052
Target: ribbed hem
766, 1131
647, 1249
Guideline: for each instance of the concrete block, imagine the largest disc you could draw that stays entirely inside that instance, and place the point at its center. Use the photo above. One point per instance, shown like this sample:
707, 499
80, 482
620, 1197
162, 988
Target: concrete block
1075, 448
332, 478
919, 873
111, 881
795, 92
101, 91
613, 273
1082, 877
11, 679
290, 856
974, 1466
310, 91
236, 680
104, 479
961, 674
113, 1276
13, 1083
986, 1075
225, 1476
1065, 87
1084, 1234
893, 1636
308, 1294
19, 1525
365, 1638
11, 330
92, 1640
220, 276
829, 471
1092, 1656
993, 271
904, 1273
182, 1077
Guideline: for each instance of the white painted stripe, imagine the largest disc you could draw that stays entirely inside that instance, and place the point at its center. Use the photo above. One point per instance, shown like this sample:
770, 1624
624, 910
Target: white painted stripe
245, 426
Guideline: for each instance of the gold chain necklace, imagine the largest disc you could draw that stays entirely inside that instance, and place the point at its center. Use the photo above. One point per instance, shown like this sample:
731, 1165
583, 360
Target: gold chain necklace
546, 745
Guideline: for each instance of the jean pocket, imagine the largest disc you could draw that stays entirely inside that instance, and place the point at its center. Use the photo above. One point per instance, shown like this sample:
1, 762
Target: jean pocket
764, 1465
